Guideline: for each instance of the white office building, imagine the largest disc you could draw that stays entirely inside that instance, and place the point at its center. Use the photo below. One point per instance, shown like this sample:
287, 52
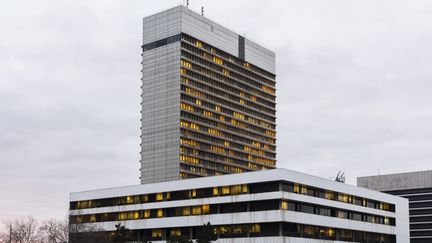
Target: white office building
265, 206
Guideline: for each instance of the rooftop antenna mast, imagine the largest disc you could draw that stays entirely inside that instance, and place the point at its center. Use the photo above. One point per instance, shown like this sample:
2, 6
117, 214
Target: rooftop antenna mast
187, 3
202, 11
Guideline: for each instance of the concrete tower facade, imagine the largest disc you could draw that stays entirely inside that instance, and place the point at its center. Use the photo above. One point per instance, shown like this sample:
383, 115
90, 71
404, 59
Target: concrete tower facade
208, 99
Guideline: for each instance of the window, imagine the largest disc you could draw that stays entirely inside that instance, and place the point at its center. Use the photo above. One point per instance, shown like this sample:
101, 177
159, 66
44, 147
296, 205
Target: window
225, 190
159, 196
255, 228
215, 191
156, 233
160, 213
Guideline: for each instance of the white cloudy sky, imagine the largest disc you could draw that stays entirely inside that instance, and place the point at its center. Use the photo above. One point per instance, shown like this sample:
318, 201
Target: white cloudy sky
354, 90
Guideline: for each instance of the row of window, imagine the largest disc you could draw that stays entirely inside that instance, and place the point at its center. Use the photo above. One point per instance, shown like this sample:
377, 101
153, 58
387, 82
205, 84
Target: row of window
269, 139
200, 137
216, 154
270, 77
234, 190
216, 164
248, 118
224, 121
249, 121
261, 230
196, 122
227, 95
238, 88
191, 61
239, 207
210, 168
237, 107
217, 117
341, 197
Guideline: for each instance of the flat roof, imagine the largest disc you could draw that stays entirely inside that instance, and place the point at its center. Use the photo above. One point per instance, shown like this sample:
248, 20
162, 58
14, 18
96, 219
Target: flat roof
234, 179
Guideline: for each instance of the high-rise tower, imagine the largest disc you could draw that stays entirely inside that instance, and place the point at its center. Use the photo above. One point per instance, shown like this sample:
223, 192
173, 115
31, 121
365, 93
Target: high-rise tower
208, 99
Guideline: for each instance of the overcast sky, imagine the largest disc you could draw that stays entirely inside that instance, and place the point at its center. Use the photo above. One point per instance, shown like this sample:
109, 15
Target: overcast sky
354, 87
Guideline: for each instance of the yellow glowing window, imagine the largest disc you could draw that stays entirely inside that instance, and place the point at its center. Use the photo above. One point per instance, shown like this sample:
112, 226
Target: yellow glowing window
270, 133
217, 60
136, 215
246, 64
194, 126
212, 50
198, 44
184, 124
175, 232
144, 198
238, 115
196, 210
284, 205
160, 213
296, 188
304, 190
122, 216
255, 228
159, 196
168, 195
183, 71
225, 190
186, 211
146, 213
193, 193
242, 102
198, 102
215, 191
237, 189
226, 143
217, 108
208, 113
206, 209
245, 189
186, 64
157, 233
92, 218
253, 98
186, 107
226, 72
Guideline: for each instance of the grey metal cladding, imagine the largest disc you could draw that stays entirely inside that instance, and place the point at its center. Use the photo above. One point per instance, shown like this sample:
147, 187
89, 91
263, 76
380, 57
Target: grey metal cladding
410, 180
160, 147
222, 38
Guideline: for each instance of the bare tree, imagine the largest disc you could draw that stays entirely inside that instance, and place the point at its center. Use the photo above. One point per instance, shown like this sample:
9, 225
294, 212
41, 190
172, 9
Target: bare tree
23, 230
55, 231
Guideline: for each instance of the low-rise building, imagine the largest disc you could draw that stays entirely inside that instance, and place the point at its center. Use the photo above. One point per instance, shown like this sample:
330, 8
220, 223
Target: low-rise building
415, 186
273, 206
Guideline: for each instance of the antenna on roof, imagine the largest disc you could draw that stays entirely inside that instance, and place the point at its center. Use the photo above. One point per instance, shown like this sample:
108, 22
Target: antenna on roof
340, 177
202, 11
187, 3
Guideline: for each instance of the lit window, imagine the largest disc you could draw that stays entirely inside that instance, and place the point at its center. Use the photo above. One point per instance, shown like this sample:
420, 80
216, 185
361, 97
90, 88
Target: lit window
196, 210
160, 213
198, 102
217, 108
215, 191
175, 232
284, 205
156, 233
255, 228
186, 211
206, 209
183, 71
159, 196
217, 60
198, 44
226, 143
147, 213
225, 190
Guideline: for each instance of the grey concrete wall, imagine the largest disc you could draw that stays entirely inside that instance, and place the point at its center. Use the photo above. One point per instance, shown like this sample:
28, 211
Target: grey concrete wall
160, 148
411, 180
